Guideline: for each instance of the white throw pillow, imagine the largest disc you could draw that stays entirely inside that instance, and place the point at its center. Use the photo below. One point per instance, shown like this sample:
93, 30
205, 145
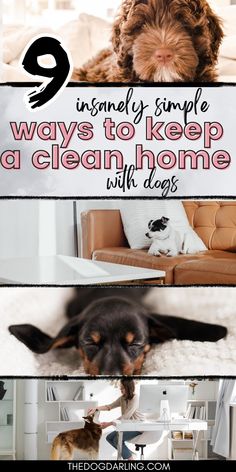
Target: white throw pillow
16, 38
228, 47
75, 35
228, 16
136, 216
84, 37
99, 32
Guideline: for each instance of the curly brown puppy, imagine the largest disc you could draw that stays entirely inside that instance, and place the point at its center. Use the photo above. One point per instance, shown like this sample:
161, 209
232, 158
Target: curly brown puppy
159, 41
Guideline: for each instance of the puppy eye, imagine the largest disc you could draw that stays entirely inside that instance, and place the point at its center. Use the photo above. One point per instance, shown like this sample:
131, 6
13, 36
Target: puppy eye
91, 346
91, 342
94, 339
134, 345
134, 349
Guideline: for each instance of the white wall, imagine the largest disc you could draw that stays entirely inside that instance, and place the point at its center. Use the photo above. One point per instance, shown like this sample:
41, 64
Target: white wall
221, 3
56, 228
19, 228
36, 227
42, 227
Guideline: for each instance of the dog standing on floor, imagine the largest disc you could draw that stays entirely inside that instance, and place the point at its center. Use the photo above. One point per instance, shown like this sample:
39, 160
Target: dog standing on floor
85, 440
112, 330
165, 239
159, 41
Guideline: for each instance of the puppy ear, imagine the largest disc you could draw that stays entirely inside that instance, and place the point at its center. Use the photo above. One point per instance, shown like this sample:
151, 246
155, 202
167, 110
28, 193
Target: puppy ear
205, 29
137, 2
86, 419
150, 224
216, 31
32, 337
164, 219
127, 26
39, 342
181, 328
158, 330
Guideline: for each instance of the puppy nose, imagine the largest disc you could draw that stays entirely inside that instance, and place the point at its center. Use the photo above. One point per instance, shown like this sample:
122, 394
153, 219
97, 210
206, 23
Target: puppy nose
164, 55
147, 234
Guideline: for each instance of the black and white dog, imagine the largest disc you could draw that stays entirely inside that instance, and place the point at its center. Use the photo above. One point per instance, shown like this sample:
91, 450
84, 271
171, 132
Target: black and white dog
165, 239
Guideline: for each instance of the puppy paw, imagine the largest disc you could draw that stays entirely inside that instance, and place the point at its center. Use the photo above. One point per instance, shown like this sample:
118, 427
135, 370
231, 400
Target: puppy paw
154, 253
172, 254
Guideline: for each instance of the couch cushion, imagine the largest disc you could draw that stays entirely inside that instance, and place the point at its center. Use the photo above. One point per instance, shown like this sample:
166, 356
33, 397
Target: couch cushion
180, 270
214, 222
140, 258
218, 270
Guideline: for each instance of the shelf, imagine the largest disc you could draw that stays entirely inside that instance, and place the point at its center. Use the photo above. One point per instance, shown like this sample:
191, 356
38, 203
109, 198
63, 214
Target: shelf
8, 418
67, 413
7, 452
72, 424
182, 440
82, 403
70, 401
200, 409
57, 391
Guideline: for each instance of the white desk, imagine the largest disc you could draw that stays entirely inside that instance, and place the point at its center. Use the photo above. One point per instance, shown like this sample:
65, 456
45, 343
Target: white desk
65, 270
175, 425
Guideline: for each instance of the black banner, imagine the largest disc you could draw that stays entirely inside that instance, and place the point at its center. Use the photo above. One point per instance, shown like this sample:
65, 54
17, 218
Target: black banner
129, 466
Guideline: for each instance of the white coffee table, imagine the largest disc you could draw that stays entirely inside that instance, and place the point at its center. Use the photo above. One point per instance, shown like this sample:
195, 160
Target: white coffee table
65, 270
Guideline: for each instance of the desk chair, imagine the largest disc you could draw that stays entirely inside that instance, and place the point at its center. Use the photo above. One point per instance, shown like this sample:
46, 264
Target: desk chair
148, 438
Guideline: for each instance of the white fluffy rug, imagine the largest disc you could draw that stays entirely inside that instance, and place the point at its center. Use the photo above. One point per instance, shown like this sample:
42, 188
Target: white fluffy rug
44, 307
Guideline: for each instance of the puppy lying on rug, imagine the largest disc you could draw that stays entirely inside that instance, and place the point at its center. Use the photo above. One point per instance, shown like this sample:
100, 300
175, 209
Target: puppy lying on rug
165, 239
159, 41
113, 330
85, 439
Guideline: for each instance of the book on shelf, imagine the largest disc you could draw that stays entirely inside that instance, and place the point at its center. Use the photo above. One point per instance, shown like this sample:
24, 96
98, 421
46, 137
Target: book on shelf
52, 394
79, 393
196, 412
64, 414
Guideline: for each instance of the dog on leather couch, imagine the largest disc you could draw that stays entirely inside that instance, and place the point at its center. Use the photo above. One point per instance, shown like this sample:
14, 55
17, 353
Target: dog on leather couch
165, 239
159, 41
112, 330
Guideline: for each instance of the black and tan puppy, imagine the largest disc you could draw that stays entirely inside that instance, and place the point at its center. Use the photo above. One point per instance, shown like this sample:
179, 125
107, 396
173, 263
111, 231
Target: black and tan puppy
112, 330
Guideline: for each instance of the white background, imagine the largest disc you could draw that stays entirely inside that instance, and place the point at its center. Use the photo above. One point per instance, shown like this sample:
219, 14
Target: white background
82, 182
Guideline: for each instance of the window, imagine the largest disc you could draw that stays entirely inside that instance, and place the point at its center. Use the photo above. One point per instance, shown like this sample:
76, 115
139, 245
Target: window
39, 12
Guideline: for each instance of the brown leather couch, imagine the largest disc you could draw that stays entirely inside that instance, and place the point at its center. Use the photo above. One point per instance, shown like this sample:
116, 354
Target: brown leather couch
103, 239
